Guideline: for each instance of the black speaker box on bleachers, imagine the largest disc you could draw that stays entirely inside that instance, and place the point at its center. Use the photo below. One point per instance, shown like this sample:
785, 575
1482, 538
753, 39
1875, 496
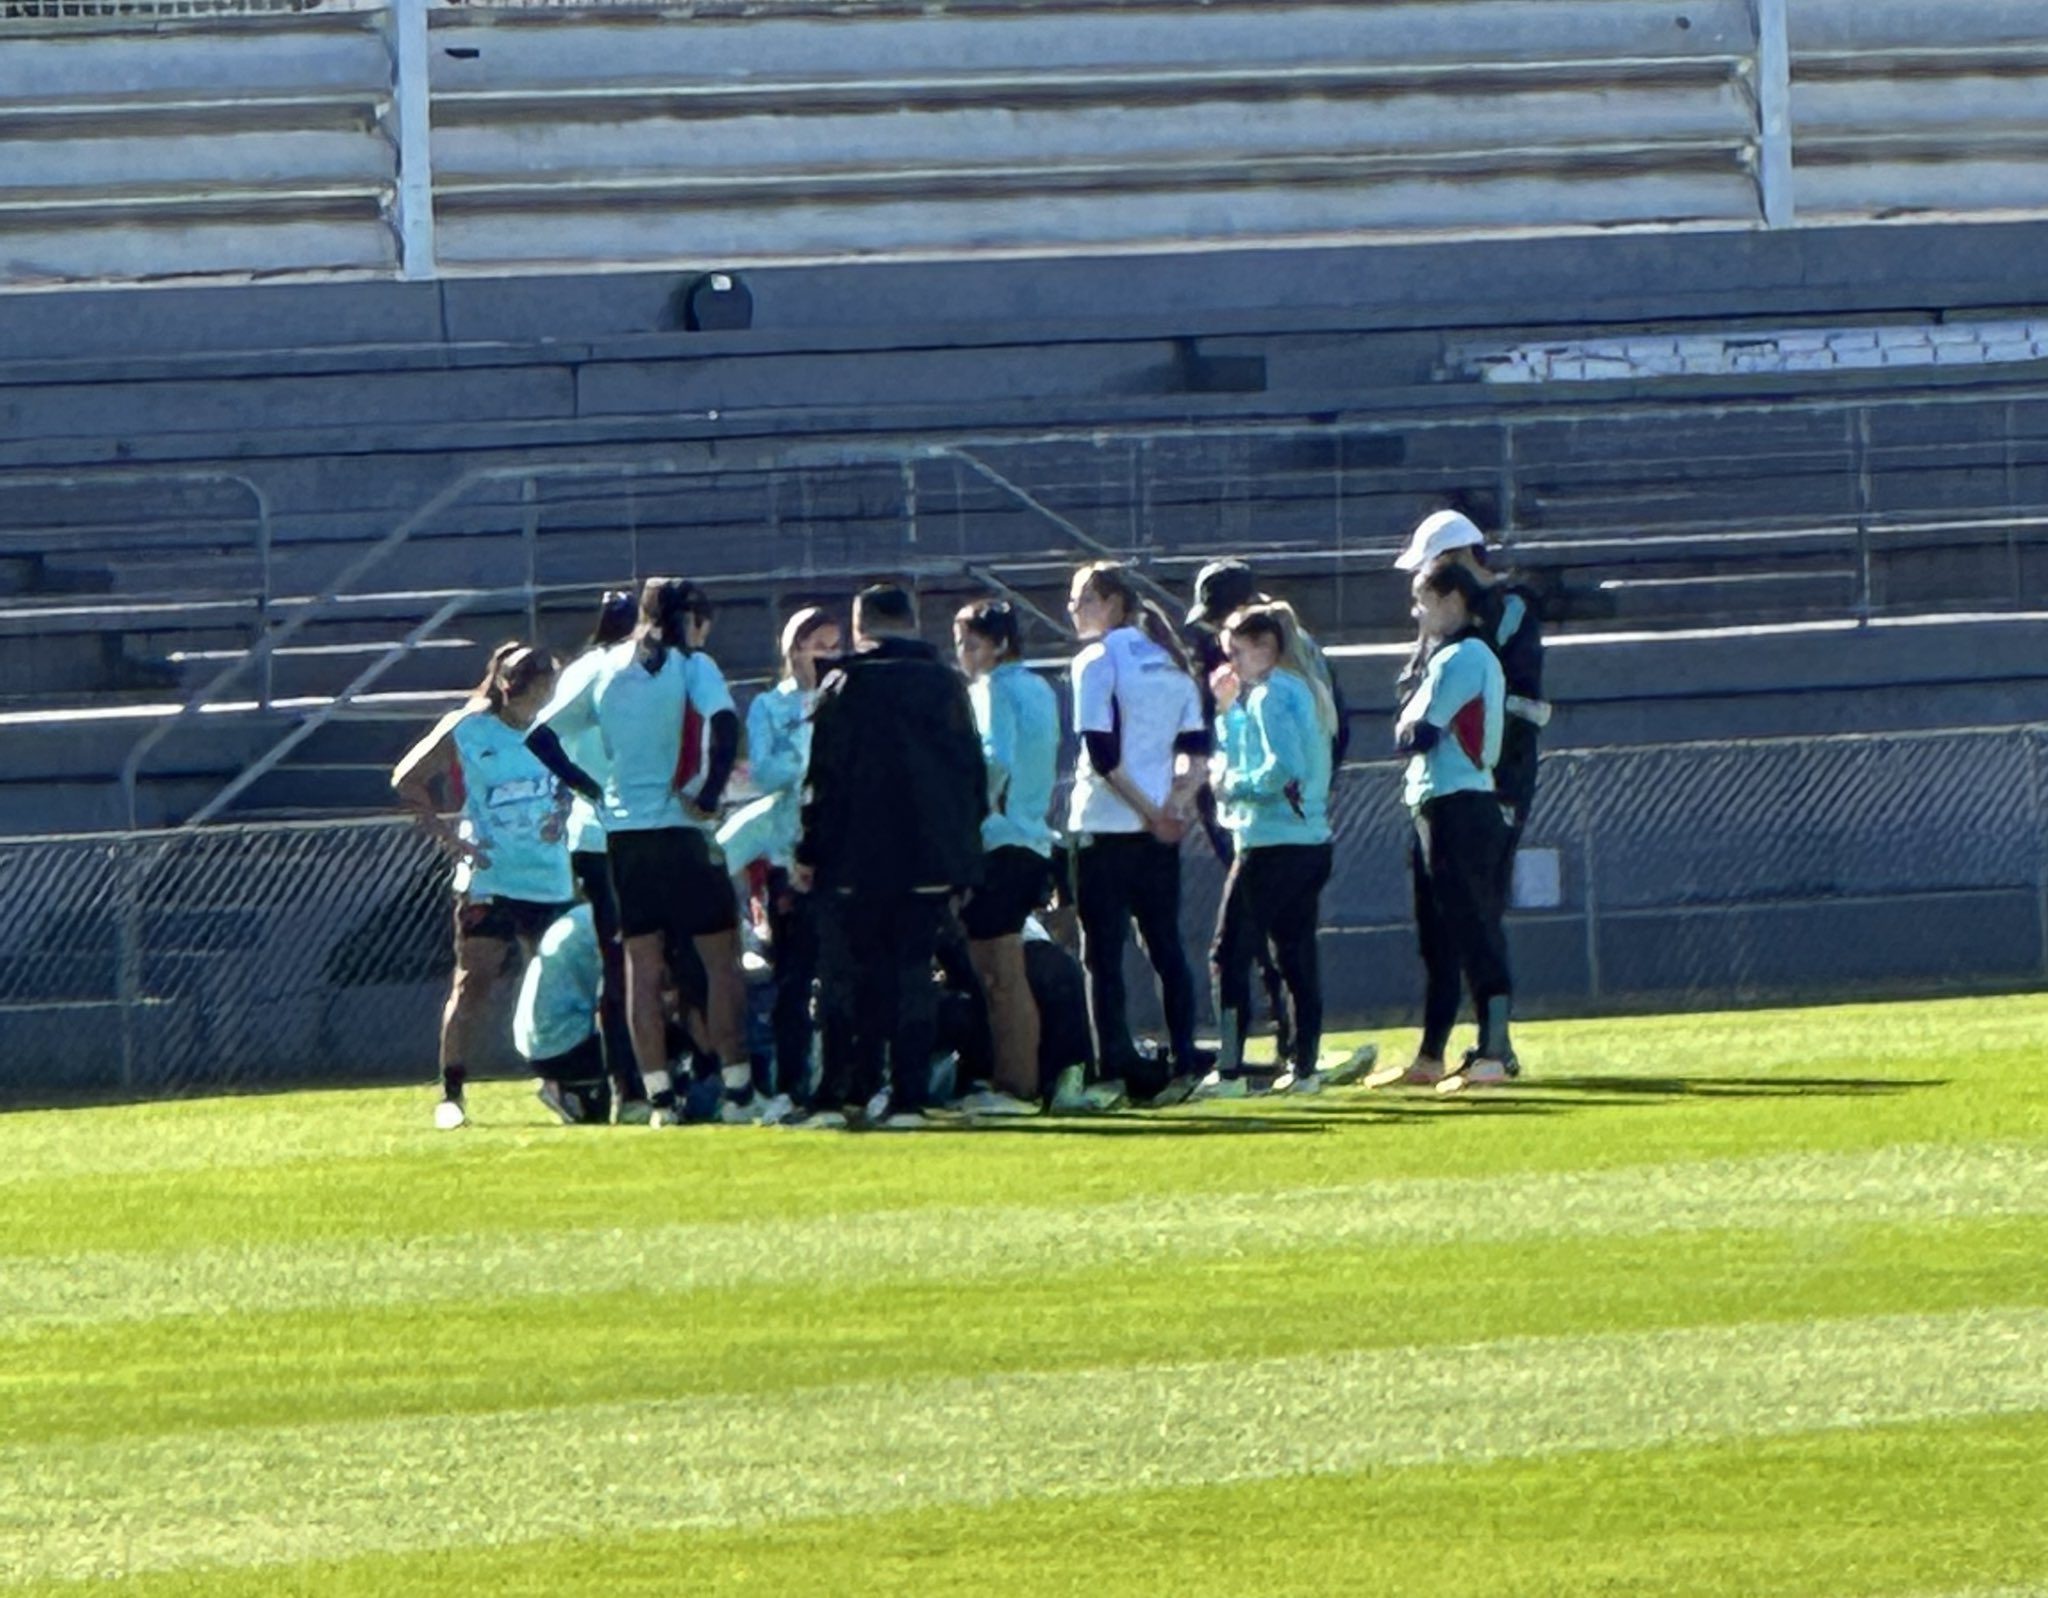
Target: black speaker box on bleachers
717, 302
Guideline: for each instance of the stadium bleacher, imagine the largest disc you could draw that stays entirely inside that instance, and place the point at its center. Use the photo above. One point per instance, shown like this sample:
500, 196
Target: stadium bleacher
1771, 433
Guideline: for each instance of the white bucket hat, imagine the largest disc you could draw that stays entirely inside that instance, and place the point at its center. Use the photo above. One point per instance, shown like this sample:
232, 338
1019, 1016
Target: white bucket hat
1439, 535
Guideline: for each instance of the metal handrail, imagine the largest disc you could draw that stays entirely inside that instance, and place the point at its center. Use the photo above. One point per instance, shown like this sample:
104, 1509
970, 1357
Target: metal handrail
258, 497
965, 452
337, 588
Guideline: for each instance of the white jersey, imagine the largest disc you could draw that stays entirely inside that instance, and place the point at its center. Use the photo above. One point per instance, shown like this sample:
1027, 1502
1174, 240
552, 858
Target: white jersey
1127, 685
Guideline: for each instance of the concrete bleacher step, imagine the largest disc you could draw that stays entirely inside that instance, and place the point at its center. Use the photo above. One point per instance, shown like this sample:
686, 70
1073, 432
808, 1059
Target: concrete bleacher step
1758, 595
300, 791
298, 671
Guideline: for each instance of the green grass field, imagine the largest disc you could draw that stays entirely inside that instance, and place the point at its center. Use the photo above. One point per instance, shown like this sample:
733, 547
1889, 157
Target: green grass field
1733, 1304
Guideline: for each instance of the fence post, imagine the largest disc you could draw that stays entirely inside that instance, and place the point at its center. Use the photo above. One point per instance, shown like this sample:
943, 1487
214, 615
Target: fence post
412, 108
1774, 110
1582, 805
128, 952
529, 535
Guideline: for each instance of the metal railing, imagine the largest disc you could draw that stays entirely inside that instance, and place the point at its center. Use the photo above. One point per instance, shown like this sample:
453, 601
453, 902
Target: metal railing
1354, 488
1674, 876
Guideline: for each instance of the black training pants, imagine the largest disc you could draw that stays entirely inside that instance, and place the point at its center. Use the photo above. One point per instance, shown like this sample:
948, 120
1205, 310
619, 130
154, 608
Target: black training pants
877, 996
1460, 905
1121, 878
793, 948
1272, 904
1270, 976
594, 876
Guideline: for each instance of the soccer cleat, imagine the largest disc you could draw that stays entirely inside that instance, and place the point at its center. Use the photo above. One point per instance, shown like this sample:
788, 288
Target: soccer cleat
988, 1102
448, 1115
1478, 1071
635, 1112
1354, 1067
1178, 1090
740, 1112
877, 1109
557, 1102
1292, 1081
776, 1108
665, 1115
818, 1121
1218, 1086
1075, 1095
905, 1121
1418, 1073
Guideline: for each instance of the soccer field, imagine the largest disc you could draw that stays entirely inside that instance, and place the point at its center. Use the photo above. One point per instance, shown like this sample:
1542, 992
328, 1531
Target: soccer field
1732, 1304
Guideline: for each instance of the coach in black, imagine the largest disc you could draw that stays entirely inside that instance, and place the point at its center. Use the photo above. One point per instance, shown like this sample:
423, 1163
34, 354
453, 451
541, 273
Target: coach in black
890, 830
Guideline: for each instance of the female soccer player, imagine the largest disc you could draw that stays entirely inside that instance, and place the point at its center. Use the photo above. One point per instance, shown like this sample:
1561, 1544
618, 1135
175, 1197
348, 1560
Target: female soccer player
590, 860
1450, 728
552, 1022
511, 865
778, 754
1018, 716
670, 736
1275, 725
1139, 715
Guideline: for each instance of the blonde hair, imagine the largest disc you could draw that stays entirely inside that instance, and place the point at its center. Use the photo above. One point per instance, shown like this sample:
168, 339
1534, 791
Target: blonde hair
1275, 619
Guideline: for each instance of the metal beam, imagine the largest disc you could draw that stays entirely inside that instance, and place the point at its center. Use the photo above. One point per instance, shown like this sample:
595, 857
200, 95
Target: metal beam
412, 110
1774, 111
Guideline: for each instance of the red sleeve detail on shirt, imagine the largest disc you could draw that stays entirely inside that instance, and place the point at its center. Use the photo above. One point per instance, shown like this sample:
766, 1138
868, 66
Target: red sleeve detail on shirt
1468, 726
690, 758
458, 790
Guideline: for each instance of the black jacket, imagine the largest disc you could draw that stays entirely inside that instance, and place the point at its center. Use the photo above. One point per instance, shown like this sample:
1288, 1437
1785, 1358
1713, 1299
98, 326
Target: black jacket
897, 788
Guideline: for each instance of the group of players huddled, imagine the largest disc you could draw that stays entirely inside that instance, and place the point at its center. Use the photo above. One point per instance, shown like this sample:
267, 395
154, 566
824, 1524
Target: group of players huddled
867, 937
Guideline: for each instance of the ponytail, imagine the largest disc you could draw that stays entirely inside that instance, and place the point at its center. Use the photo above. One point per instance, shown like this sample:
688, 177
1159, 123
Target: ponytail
513, 669
1108, 579
616, 613
995, 620
667, 607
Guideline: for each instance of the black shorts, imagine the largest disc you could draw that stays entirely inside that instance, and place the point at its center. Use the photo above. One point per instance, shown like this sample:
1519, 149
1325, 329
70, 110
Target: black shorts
582, 1064
668, 880
1014, 883
505, 920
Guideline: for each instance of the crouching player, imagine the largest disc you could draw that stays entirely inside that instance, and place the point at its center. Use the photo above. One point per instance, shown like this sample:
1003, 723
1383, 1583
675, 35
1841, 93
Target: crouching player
554, 1025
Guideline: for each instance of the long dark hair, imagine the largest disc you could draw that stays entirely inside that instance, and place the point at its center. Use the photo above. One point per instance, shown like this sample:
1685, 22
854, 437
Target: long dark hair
667, 607
616, 613
1108, 579
995, 620
513, 669
1448, 577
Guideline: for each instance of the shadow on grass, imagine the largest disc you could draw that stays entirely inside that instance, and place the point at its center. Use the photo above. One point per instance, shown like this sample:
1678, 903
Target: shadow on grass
1626, 1088
1120, 1124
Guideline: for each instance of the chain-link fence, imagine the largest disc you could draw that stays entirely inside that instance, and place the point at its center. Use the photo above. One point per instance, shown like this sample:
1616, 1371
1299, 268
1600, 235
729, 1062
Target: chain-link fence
1673, 876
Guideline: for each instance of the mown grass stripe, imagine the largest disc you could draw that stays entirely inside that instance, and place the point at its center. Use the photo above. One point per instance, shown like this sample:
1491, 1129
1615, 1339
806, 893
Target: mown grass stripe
1931, 1182
297, 1494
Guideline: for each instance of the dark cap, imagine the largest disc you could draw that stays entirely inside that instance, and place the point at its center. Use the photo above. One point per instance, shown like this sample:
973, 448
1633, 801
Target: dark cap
1221, 587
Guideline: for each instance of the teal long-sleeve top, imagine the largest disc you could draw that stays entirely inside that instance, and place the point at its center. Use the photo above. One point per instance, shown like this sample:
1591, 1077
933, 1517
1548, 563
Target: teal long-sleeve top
1018, 715
1272, 766
778, 756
